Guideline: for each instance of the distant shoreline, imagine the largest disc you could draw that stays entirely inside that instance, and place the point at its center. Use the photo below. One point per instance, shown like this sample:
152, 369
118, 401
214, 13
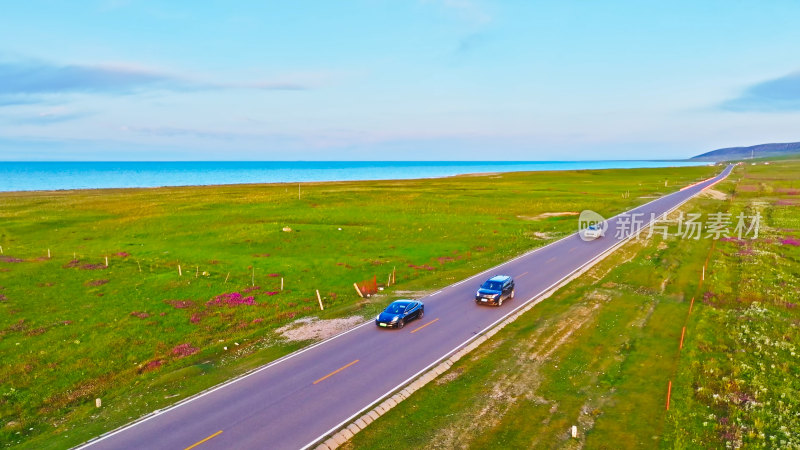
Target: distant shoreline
20, 176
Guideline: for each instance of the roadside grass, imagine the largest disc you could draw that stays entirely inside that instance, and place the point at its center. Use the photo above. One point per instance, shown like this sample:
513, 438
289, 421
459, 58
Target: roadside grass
140, 337
737, 382
599, 353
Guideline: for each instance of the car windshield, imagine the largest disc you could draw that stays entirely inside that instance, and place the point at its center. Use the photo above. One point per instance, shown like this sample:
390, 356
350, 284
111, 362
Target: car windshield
492, 285
396, 308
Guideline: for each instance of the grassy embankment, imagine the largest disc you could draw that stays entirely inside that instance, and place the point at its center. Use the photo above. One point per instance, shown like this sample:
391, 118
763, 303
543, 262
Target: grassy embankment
600, 353
139, 336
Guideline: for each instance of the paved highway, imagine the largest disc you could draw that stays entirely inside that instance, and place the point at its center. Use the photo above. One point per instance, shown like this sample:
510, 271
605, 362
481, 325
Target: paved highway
297, 400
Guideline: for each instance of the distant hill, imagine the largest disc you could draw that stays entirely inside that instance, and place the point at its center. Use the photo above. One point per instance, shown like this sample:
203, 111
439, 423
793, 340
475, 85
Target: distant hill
756, 151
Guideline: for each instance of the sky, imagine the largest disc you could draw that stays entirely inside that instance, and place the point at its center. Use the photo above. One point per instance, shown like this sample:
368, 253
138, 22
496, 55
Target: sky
119, 80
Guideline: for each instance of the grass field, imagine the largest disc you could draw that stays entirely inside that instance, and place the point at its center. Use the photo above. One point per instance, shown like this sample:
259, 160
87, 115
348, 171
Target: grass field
600, 353
139, 335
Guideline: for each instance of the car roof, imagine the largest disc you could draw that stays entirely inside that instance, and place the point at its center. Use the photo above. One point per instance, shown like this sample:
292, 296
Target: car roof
500, 278
401, 302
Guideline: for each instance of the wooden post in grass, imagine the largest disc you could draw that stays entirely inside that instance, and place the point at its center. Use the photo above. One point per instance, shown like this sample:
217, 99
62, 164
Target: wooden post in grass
394, 275
98, 402
48, 254
319, 299
226, 278
669, 393
180, 272
281, 283
683, 333
1, 249
704, 273
139, 264
389, 283
106, 261
197, 272
355, 285
73, 256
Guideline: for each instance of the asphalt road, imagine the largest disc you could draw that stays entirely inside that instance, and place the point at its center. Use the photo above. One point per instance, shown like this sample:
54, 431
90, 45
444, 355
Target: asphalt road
293, 402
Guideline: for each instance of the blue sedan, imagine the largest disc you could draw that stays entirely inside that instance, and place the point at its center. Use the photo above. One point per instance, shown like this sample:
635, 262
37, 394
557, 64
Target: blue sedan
398, 313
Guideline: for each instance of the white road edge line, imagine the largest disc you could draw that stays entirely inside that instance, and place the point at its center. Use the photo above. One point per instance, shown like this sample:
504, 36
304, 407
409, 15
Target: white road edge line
202, 394
513, 311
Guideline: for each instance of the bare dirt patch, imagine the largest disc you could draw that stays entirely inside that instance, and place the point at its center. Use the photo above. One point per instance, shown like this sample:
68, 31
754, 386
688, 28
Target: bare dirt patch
548, 215
310, 328
713, 194
541, 235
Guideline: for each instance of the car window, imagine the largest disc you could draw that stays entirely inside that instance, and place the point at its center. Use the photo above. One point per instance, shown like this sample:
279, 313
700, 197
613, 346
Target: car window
492, 285
395, 308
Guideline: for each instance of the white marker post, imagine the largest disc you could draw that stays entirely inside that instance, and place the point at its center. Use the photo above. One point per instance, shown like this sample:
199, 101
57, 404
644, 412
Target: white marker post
319, 299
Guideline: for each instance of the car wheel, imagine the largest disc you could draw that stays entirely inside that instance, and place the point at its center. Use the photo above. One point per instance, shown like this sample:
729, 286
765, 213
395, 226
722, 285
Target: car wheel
512, 294
421, 313
500, 301
401, 324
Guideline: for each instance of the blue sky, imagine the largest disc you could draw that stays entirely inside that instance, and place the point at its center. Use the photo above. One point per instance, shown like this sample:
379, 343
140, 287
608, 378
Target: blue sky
395, 80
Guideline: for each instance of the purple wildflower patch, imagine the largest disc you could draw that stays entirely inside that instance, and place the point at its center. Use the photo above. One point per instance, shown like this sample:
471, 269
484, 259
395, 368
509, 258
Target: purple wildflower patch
270, 293
140, 314
93, 267
152, 365
123, 254
784, 202
274, 274
180, 304
10, 259
231, 299
184, 350
196, 318
251, 289
72, 264
790, 241
96, 282
3, 298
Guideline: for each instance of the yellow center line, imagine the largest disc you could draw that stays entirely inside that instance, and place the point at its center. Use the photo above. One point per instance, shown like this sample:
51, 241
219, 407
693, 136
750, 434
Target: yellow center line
522, 275
335, 372
204, 440
419, 328
550, 260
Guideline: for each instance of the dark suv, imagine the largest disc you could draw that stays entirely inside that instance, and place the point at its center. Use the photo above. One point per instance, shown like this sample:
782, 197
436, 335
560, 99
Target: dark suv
495, 290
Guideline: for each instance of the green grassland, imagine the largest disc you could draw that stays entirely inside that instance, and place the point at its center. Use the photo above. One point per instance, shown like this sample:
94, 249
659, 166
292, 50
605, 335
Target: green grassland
140, 336
600, 353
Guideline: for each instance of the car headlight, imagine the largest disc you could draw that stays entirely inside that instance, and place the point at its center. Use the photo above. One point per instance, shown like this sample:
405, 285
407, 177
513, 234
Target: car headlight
395, 318
378, 317
478, 293
496, 295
